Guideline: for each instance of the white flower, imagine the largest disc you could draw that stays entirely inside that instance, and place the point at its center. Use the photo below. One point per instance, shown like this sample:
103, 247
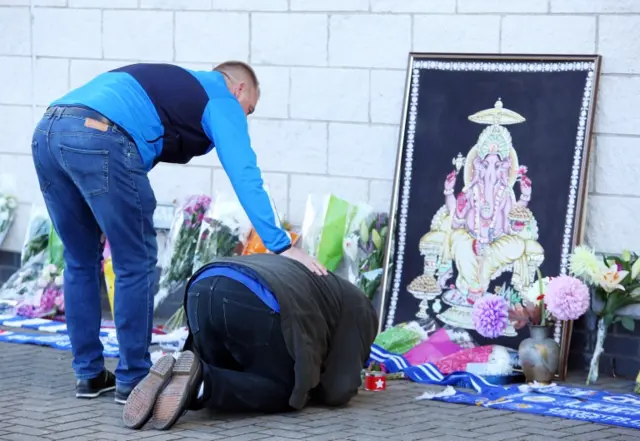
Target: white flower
51, 269
437, 306
611, 279
532, 293
3, 201
43, 281
58, 281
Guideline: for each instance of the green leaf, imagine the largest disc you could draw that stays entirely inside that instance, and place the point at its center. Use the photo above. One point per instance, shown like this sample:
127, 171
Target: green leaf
608, 319
626, 256
376, 239
628, 323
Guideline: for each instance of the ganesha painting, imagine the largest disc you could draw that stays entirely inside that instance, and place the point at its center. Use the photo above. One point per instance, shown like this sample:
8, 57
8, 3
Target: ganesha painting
483, 231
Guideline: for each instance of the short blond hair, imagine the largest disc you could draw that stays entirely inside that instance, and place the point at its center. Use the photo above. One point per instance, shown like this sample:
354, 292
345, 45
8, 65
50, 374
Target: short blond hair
239, 70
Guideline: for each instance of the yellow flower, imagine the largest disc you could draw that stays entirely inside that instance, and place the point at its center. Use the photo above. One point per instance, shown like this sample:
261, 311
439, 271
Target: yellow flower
611, 279
585, 265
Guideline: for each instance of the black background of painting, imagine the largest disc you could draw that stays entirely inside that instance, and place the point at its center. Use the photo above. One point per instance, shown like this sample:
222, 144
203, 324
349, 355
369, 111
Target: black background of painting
550, 102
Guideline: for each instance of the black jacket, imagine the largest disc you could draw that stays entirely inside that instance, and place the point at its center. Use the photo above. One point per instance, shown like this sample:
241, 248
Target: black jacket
328, 326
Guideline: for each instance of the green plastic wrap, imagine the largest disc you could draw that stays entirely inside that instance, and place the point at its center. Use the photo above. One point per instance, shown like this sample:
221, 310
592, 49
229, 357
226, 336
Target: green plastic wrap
399, 339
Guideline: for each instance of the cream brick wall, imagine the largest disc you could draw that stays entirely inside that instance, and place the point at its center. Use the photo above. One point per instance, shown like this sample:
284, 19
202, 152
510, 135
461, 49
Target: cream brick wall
333, 78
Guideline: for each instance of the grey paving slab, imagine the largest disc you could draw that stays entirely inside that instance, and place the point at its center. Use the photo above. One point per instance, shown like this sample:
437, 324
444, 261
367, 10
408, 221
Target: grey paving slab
37, 402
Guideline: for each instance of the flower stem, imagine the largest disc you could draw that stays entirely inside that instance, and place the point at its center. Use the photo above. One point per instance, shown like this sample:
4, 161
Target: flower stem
542, 311
594, 367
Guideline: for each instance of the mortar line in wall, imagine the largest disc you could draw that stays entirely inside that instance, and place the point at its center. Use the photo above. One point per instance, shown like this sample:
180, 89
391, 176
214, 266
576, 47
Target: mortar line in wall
173, 40
370, 92
290, 86
102, 43
326, 147
342, 12
597, 33
457, 7
615, 135
327, 45
33, 59
249, 43
500, 23
288, 195
138, 60
615, 195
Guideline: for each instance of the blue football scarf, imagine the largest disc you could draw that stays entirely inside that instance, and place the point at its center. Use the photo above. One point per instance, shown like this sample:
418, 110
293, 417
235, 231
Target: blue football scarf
558, 401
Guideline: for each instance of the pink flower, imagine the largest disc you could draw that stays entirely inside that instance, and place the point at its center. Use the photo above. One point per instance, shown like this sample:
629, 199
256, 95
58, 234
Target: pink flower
522, 170
490, 316
200, 217
567, 298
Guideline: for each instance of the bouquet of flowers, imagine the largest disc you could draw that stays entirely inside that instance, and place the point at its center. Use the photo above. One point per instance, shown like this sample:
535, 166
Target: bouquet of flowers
8, 205
36, 240
20, 284
323, 228
256, 246
615, 283
178, 263
364, 248
48, 297
548, 300
223, 233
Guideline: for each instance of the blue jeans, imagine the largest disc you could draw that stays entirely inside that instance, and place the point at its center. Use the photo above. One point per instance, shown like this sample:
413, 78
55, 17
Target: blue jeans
93, 181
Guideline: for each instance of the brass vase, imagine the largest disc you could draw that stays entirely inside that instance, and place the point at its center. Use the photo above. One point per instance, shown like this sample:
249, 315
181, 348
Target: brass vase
539, 355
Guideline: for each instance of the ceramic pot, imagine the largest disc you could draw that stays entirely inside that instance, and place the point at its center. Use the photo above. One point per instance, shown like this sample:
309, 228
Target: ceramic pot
539, 355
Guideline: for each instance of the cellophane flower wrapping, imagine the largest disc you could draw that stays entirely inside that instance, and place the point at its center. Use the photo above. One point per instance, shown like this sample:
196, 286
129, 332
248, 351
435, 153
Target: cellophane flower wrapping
36, 239
256, 246
177, 263
323, 228
20, 284
364, 248
8, 206
36, 289
401, 338
223, 233
47, 299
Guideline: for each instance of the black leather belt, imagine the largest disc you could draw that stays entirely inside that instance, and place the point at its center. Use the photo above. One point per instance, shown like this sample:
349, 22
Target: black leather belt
82, 112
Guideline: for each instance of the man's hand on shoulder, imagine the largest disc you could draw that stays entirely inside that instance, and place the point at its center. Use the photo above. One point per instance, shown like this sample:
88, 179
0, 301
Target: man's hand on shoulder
305, 259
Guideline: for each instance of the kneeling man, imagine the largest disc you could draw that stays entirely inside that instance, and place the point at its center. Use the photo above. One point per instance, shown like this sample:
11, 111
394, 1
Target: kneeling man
265, 335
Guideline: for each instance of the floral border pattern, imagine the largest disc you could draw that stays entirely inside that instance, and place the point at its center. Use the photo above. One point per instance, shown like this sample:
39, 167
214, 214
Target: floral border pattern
488, 66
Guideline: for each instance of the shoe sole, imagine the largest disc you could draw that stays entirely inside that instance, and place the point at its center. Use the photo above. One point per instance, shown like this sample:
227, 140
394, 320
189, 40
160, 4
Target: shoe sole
139, 405
172, 400
96, 394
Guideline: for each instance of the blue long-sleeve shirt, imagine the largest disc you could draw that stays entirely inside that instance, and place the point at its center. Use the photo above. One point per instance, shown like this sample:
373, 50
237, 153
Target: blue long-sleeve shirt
123, 99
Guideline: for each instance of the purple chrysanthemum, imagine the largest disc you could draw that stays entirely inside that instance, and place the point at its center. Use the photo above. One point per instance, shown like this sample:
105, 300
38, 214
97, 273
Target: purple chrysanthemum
490, 316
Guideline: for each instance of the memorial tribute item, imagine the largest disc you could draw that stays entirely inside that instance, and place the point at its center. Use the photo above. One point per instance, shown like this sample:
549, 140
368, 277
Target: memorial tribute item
489, 188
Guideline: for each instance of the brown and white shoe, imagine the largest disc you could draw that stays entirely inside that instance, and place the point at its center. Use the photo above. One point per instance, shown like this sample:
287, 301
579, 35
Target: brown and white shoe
139, 405
176, 396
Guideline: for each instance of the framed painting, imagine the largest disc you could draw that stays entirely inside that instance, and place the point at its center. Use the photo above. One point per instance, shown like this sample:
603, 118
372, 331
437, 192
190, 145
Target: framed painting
490, 184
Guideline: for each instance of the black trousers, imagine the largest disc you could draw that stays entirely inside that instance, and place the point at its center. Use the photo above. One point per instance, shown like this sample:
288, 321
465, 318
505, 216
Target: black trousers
246, 365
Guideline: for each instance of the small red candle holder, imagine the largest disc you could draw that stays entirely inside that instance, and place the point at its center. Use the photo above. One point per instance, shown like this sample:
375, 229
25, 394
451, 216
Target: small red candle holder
375, 381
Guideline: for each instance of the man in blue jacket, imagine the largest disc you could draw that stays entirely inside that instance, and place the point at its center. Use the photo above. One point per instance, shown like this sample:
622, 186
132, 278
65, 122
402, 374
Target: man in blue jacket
92, 151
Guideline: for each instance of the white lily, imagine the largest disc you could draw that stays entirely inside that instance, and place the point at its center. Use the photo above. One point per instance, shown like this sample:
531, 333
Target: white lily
611, 279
